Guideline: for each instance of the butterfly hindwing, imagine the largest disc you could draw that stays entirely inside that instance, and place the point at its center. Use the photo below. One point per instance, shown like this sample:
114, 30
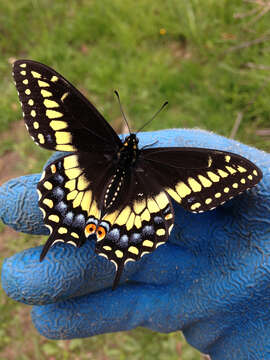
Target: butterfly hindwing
67, 200
137, 228
56, 114
201, 179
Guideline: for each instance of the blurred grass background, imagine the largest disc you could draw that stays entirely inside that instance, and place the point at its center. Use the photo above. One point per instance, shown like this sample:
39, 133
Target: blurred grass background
210, 59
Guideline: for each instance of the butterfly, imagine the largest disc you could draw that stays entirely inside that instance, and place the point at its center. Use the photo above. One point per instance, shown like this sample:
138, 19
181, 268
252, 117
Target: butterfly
111, 188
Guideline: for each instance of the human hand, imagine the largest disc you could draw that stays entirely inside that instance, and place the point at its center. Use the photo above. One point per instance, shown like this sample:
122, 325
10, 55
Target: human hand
210, 279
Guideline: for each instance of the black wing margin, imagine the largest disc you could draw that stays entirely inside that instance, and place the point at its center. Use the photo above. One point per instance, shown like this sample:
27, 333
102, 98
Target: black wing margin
56, 114
201, 179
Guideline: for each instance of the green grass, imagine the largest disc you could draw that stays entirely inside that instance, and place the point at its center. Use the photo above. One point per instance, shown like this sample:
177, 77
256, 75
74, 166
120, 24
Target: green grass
206, 62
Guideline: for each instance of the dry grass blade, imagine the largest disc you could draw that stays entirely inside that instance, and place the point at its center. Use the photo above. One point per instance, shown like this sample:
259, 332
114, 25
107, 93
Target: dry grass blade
263, 7
236, 124
263, 132
206, 357
240, 114
247, 44
251, 65
264, 11
243, 15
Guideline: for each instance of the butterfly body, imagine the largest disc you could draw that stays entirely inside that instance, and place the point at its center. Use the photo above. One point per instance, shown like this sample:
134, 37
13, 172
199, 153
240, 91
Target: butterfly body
111, 188
125, 163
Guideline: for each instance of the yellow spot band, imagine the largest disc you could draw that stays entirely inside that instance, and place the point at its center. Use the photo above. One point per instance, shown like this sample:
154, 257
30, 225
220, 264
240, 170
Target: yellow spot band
241, 169
75, 235
78, 199
205, 182
182, 189
48, 185
212, 176
42, 83
195, 206
62, 137
62, 230
35, 74
160, 232
162, 200
71, 162
119, 253
148, 243
195, 186
45, 93
52, 114
41, 138
65, 148
50, 103
133, 250
54, 218
222, 173
58, 125
48, 202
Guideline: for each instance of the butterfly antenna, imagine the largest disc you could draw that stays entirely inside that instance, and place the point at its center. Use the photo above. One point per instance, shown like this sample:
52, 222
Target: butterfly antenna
120, 105
152, 118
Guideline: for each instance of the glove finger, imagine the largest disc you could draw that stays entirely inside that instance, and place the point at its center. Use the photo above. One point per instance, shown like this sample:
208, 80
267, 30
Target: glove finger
107, 311
68, 272
19, 205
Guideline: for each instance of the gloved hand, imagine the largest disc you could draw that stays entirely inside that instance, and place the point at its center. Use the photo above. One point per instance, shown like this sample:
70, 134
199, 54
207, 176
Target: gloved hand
211, 280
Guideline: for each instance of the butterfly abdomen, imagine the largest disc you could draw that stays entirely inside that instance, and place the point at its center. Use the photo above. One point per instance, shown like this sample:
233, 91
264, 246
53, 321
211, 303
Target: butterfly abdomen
113, 189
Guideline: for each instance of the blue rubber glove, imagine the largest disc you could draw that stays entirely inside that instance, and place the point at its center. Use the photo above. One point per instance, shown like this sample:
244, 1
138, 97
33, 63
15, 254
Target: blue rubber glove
211, 280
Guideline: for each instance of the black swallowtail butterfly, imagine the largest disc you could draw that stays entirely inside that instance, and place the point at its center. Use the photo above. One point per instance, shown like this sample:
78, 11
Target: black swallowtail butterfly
110, 188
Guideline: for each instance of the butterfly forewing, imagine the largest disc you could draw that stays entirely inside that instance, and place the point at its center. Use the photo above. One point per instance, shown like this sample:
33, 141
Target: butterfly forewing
201, 179
57, 115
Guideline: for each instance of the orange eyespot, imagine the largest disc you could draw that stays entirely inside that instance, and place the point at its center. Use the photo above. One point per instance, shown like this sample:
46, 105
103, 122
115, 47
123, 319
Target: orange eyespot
90, 229
53, 168
101, 232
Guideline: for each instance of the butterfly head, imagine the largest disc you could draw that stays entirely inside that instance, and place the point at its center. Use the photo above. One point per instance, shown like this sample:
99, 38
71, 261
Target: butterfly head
131, 141
129, 151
